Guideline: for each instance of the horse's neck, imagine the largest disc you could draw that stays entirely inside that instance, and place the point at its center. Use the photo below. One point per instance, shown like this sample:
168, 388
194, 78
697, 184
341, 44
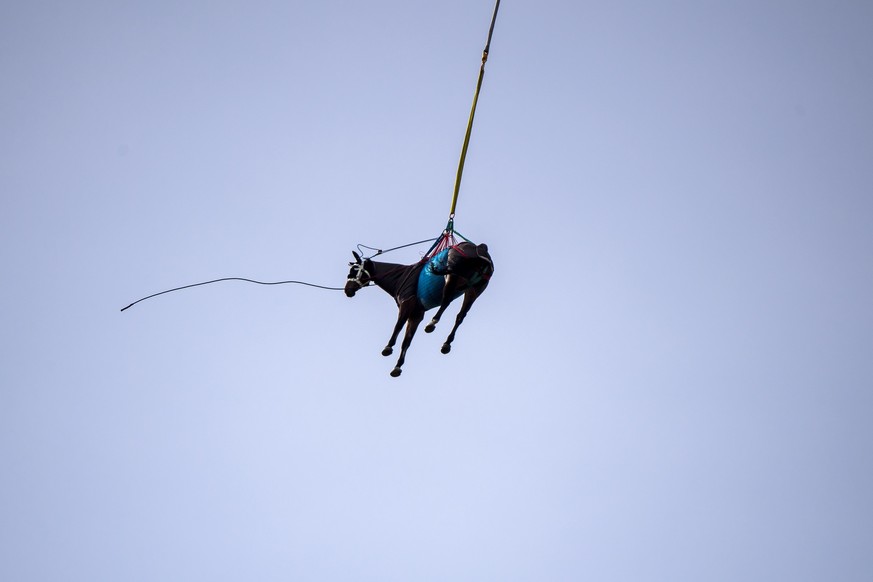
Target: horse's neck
397, 280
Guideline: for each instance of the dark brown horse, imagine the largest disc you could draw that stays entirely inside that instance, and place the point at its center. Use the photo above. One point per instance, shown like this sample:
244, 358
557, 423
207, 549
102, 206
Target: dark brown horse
463, 269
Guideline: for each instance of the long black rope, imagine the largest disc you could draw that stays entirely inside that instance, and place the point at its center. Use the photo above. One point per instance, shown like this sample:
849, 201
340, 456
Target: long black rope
360, 246
233, 279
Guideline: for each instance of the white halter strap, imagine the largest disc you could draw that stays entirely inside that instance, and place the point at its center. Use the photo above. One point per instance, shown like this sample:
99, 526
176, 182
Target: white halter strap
359, 276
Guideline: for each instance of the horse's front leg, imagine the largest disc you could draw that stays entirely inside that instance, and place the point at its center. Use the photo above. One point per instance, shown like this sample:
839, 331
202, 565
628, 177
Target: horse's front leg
412, 324
402, 316
469, 298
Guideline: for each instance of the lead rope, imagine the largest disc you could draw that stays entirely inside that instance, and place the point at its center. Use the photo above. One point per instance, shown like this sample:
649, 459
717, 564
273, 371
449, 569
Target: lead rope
233, 279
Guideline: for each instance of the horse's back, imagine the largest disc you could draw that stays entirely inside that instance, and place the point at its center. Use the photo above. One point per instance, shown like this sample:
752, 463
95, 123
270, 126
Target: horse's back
470, 260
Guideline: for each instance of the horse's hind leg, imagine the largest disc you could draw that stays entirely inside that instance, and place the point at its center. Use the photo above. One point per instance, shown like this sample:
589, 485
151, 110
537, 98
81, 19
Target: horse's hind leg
411, 326
436, 318
448, 291
469, 298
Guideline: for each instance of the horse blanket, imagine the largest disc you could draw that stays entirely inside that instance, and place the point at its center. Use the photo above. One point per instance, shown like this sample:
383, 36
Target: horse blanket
432, 280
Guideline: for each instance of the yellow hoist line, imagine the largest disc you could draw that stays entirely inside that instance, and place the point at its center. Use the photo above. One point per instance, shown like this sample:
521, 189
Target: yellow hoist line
450, 226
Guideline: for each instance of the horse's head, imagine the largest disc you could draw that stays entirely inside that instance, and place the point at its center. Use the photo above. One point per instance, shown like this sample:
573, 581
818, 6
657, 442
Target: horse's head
359, 277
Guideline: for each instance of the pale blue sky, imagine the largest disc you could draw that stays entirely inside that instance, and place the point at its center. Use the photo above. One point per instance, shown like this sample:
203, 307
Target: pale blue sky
669, 378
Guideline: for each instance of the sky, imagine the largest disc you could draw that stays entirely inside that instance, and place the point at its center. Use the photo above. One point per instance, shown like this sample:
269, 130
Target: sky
670, 377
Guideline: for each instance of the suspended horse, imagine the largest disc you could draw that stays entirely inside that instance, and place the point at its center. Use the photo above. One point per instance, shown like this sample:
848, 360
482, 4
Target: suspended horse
462, 269
448, 270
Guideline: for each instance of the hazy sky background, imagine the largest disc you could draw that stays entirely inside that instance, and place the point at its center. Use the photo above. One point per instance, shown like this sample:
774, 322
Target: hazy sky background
669, 378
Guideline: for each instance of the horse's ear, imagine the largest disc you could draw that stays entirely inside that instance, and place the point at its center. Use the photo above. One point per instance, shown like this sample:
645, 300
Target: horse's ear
357, 257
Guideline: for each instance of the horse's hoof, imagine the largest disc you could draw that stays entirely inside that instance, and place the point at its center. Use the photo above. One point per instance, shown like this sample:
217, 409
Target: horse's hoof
395, 372
429, 327
446, 348
387, 351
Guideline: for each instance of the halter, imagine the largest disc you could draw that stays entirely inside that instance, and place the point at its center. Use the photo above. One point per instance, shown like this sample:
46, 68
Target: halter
358, 278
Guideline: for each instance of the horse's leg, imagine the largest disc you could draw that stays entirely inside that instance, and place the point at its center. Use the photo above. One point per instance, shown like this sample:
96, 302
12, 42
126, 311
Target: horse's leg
436, 318
412, 324
469, 298
448, 291
402, 316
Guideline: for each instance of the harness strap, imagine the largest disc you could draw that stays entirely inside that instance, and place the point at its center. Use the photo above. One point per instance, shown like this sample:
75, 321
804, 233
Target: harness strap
472, 115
